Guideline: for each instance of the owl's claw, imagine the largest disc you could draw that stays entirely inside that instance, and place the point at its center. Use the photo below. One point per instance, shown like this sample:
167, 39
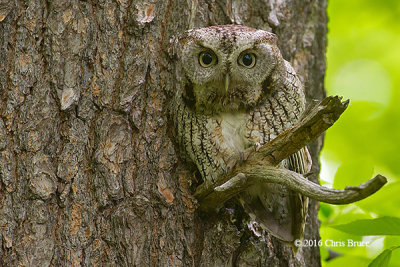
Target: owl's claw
231, 164
228, 169
237, 159
257, 146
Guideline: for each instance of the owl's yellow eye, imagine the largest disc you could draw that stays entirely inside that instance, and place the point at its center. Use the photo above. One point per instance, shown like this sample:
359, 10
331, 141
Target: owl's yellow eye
207, 59
247, 60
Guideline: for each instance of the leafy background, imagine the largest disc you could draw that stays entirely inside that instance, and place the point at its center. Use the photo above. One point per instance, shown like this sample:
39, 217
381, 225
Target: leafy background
363, 57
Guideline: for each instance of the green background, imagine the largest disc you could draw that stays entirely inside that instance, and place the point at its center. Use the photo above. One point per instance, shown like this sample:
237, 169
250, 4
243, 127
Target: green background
363, 65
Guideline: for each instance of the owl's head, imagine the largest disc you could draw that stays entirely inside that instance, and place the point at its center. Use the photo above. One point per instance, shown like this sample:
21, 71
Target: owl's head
227, 68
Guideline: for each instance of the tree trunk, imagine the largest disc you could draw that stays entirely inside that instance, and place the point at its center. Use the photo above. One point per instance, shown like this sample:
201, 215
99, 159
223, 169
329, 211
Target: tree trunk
89, 172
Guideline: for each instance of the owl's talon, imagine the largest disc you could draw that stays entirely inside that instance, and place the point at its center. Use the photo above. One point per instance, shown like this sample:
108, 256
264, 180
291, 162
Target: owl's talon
308, 174
230, 165
242, 157
257, 146
236, 159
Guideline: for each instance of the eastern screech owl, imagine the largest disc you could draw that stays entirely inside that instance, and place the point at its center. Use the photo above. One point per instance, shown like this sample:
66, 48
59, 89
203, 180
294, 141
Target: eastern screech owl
237, 91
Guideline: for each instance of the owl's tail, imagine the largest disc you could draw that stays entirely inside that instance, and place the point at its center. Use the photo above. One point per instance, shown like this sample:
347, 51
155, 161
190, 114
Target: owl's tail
278, 210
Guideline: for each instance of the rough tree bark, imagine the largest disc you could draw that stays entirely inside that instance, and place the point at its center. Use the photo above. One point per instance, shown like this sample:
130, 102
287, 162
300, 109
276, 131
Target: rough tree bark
89, 173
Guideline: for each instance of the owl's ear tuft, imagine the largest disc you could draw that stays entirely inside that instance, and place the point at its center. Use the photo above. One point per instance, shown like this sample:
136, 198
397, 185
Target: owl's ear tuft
175, 44
268, 37
272, 38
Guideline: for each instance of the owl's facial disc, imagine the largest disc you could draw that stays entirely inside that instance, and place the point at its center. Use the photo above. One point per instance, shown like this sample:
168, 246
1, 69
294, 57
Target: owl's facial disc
226, 67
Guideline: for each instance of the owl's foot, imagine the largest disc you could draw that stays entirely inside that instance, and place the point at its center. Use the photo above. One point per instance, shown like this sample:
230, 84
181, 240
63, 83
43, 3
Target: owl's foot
257, 146
237, 159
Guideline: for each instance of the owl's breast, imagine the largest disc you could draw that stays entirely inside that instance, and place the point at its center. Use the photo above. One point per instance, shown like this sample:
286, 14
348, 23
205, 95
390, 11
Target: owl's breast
233, 132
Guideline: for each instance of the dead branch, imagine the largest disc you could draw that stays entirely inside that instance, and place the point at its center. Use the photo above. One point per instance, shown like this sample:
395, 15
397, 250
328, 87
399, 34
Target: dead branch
260, 165
292, 180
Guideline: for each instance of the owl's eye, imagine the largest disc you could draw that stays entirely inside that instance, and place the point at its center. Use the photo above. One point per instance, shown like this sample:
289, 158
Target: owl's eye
247, 60
207, 58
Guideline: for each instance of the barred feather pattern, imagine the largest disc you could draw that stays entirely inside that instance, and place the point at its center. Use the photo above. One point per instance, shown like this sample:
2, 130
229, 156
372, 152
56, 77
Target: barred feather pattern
210, 140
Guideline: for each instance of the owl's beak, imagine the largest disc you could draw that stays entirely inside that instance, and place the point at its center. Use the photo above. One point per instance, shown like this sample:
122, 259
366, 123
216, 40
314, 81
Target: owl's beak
227, 79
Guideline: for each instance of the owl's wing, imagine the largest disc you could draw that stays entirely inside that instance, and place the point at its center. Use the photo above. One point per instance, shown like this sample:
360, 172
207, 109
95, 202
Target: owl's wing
300, 161
277, 209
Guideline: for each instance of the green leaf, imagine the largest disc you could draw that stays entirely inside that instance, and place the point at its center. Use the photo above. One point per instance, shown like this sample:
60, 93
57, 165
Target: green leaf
383, 259
379, 226
346, 260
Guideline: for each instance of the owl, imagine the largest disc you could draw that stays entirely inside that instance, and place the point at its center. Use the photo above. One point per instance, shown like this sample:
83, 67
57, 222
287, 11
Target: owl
234, 91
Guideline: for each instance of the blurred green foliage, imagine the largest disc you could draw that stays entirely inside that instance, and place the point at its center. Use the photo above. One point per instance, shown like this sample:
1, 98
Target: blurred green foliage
363, 64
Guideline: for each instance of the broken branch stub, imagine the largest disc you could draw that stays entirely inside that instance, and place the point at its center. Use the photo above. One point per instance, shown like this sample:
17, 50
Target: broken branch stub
292, 180
312, 125
259, 167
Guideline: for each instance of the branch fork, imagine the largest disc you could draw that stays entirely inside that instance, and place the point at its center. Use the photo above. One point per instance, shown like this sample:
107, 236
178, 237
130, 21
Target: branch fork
261, 165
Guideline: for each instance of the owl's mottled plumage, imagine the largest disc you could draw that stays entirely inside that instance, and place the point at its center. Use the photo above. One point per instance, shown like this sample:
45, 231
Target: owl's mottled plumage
224, 107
